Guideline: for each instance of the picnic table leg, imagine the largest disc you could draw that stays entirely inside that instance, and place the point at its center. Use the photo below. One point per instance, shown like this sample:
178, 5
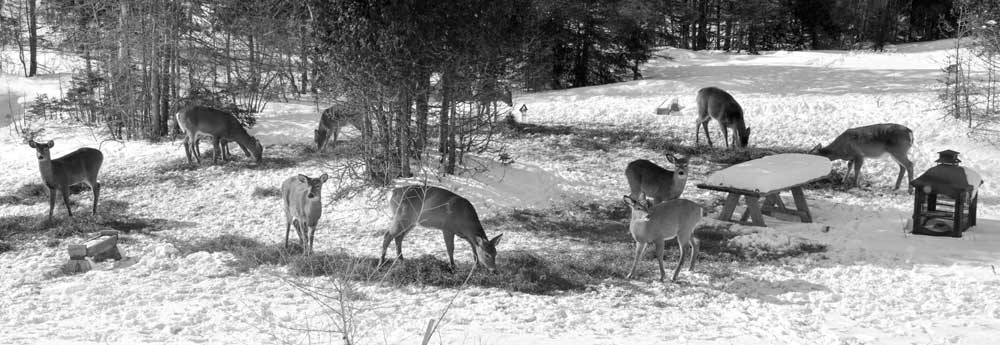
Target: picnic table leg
800, 205
753, 208
729, 207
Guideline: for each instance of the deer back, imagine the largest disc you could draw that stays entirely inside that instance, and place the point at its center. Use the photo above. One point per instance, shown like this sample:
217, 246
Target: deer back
663, 221
195, 120
440, 209
720, 105
81, 165
655, 181
869, 141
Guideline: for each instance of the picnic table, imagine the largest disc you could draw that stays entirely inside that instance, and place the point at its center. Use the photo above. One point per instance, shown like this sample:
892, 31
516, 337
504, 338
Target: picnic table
760, 183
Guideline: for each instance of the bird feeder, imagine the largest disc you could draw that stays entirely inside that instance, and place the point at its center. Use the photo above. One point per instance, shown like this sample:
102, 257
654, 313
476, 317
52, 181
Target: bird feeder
102, 247
945, 198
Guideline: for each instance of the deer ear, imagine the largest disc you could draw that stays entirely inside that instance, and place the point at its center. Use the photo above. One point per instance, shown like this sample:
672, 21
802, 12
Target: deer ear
32, 143
671, 158
323, 178
816, 148
496, 240
303, 178
50, 144
628, 200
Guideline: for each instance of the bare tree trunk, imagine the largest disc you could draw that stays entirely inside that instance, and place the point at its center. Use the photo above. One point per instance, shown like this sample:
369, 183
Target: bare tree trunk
422, 100
32, 39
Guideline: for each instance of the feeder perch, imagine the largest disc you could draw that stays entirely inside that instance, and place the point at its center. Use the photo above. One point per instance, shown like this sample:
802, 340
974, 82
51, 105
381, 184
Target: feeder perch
945, 198
102, 247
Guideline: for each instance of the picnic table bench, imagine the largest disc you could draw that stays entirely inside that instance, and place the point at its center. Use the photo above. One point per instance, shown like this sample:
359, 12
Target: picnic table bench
763, 180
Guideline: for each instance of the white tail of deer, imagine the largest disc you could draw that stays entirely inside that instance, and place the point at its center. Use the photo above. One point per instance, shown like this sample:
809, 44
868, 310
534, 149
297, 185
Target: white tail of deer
714, 103
872, 141
222, 126
80, 166
438, 208
330, 122
658, 223
303, 201
653, 181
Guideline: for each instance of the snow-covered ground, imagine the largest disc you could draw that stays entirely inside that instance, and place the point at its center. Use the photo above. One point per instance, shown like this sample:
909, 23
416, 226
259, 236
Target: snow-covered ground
874, 285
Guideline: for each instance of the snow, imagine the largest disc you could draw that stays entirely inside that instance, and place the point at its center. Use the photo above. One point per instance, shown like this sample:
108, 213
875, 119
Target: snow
875, 284
772, 173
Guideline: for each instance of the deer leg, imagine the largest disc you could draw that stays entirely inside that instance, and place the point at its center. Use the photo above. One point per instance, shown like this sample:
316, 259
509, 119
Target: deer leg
704, 125
847, 174
683, 245
697, 130
52, 201
640, 248
187, 149
725, 134
905, 165
857, 171
288, 229
65, 194
694, 252
96, 188
659, 257
312, 236
449, 246
217, 145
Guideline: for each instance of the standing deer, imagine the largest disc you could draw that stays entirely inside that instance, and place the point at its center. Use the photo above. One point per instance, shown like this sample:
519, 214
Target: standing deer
330, 122
872, 141
222, 126
714, 103
438, 208
656, 182
303, 201
658, 223
80, 166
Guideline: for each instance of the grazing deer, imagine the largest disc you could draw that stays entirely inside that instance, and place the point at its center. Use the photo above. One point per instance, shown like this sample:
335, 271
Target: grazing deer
438, 208
714, 103
330, 122
658, 223
222, 126
80, 166
872, 141
303, 201
656, 182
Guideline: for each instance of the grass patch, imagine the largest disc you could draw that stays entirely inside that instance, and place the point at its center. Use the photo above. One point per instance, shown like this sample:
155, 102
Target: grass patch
266, 192
518, 271
249, 252
586, 221
34, 193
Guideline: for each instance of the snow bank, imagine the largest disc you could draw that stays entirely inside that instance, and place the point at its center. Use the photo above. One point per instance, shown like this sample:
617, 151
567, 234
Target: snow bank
772, 172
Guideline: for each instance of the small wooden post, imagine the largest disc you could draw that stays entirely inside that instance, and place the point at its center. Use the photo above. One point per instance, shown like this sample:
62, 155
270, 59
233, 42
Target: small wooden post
956, 229
918, 200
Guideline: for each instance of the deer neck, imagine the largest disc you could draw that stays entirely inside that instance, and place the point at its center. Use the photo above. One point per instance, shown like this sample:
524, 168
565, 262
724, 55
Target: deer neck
45, 167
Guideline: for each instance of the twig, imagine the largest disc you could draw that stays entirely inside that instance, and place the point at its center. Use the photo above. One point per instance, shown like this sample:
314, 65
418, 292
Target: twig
433, 325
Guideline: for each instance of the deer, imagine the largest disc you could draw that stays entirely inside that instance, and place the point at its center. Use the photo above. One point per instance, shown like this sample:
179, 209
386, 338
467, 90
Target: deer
872, 141
303, 202
330, 122
714, 103
657, 223
222, 126
656, 182
80, 166
438, 208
